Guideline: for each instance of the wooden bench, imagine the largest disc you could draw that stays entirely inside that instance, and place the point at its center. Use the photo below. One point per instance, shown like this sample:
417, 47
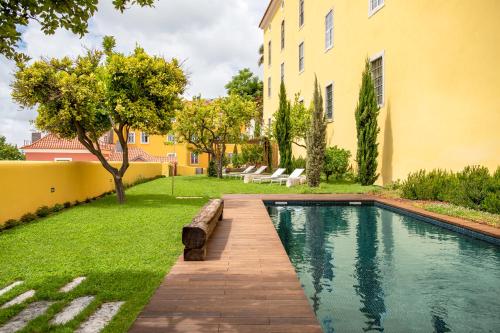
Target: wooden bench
195, 234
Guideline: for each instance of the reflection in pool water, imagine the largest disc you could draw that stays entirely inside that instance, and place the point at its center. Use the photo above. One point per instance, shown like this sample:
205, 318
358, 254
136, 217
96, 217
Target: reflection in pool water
367, 269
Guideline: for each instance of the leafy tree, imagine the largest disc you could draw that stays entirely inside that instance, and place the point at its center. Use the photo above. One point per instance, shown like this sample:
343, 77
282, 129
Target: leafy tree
210, 125
86, 97
236, 159
72, 15
247, 84
367, 129
261, 55
252, 154
8, 151
300, 118
316, 139
283, 130
336, 162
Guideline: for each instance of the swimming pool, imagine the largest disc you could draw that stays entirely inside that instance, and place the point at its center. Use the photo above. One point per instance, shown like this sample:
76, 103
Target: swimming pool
366, 268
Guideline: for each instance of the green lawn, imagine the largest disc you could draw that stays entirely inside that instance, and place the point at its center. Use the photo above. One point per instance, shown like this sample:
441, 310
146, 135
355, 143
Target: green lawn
124, 251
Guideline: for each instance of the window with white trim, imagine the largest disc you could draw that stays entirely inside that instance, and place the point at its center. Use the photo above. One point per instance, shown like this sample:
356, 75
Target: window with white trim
374, 6
329, 30
144, 138
282, 34
194, 158
283, 72
329, 101
377, 69
269, 87
170, 138
269, 53
131, 138
301, 13
301, 57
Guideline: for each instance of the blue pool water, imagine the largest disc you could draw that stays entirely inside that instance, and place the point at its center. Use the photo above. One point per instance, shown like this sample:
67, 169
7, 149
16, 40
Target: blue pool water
368, 269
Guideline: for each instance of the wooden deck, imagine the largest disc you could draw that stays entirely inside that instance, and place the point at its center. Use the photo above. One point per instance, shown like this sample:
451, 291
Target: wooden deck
247, 283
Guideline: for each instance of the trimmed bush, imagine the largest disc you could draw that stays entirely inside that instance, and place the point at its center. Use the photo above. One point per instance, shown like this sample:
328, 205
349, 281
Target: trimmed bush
252, 154
67, 204
336, 163
11, 224
43, 211
28, 217
212, 168
57, 208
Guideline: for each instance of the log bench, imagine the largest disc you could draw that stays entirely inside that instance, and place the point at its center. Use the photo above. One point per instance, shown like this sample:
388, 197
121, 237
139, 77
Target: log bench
195, 234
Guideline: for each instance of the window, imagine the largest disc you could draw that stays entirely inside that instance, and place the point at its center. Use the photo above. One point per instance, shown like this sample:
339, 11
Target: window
301, 57
131, 138
171, 138
282, 34
374, 6
269, 53
269, 123
283, 72
377, 68
194, 158
63, 159
329, 101
144, 137
269, 87
301, 13
329, 30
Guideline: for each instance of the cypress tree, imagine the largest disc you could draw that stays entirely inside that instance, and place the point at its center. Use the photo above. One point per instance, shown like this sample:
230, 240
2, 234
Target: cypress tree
316, 139
283, 128
367, 129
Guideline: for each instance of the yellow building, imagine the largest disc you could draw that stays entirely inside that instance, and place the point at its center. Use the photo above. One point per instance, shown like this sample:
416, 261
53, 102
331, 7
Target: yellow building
435, 65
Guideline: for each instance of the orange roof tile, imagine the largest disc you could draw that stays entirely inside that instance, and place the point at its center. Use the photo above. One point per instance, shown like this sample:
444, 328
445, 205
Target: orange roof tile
52, 141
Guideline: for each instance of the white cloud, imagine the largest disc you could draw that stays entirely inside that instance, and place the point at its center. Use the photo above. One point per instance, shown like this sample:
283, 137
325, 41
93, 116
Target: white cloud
214, 38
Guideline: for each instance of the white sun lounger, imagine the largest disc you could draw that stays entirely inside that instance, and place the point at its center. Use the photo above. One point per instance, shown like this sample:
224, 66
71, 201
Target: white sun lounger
257, 172
262, 179
239, 174
294, 175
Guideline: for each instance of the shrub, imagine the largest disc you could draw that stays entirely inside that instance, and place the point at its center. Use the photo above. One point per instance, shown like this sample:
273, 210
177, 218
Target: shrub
212, 169
28, 217
43, 211
473, 187
236, 160
57, 208
67, 204
435, 185
299, 162
252, 154
336, 163
10, 224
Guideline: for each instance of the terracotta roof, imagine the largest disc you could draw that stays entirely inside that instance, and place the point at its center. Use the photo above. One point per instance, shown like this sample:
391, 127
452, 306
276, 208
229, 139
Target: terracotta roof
136, 154
52, 141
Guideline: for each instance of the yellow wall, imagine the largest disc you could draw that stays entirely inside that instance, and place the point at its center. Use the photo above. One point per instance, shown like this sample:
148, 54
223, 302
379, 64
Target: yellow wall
25, 186
442, 79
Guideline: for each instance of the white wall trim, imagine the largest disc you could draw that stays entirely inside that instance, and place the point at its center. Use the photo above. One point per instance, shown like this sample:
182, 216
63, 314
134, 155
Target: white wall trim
376, 9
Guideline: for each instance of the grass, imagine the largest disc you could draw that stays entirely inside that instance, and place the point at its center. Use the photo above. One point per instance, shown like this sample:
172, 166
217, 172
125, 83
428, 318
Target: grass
124, 251
462, 212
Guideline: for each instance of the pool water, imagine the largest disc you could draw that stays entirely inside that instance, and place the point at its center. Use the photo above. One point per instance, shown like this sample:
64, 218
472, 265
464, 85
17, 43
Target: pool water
368, 269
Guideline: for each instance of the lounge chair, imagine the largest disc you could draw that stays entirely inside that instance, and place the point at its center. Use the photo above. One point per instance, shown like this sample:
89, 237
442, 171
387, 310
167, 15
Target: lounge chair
262, 179
294, 175
239, 174
249, 176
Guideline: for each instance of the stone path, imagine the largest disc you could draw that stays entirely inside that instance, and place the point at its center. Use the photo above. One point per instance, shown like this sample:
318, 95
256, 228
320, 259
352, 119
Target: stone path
33, 311
10, 287
94, 324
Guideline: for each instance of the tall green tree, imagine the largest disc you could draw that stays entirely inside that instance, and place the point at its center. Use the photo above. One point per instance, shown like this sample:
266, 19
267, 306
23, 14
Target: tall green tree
72, 15
210, 125
316, 139
300, 117
86, 97
367, 129
283, 130
8, 151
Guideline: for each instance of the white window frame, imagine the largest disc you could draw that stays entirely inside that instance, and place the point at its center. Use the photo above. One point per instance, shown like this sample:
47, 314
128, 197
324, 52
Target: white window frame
197, 159
282, 74
269, 91
131, 135
301, 46
330, 45
174, 155
372, 11
302, 11
373, 58
331, 83
63, 159
142, 138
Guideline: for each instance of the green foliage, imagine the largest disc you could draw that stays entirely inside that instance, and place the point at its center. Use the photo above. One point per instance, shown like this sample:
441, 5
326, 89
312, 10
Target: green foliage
245, 84
473, 187
367, 129
28, 217
236, 160
212, 168
11, 224
316, 139
57, 208
336, 163
300, 118
267, 152
68, 14
252, 154
283, 130
67, 204
299, 163
8, 151
43, 211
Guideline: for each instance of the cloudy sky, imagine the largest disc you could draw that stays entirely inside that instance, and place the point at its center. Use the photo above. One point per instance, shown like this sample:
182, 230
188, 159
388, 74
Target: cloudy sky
215, 38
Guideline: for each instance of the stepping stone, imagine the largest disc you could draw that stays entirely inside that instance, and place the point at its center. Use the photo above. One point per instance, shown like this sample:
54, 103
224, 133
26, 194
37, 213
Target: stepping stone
100, 318
10, 287
72, 310
73, 284
33, 311
19, 299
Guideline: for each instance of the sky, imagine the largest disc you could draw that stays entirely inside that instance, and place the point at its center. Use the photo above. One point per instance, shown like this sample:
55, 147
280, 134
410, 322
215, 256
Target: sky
213, 38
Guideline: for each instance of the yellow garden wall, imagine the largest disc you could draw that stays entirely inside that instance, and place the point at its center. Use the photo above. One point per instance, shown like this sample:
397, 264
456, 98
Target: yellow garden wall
25, 186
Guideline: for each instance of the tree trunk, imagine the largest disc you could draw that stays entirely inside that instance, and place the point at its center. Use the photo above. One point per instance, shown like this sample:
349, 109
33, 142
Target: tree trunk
120, 189
220, 160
